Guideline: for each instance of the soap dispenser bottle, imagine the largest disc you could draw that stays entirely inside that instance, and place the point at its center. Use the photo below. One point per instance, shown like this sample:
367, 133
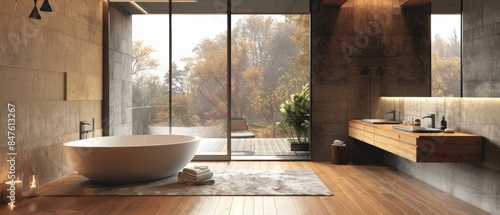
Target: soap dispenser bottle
443, 123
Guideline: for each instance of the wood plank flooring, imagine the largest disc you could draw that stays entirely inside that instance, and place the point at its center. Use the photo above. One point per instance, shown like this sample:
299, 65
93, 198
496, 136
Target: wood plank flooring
357, 190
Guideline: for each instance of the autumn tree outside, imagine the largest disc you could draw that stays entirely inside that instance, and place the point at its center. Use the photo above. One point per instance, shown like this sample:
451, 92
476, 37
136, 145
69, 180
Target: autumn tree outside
269, 62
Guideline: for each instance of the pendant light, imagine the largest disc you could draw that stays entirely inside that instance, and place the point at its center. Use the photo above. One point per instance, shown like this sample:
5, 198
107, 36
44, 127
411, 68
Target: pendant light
46, 6
34, 13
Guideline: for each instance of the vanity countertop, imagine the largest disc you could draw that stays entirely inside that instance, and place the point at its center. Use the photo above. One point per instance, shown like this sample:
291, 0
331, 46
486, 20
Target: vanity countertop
419, 147
414, 134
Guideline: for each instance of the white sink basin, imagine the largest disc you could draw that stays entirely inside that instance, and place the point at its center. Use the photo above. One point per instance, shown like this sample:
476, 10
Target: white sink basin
410, 128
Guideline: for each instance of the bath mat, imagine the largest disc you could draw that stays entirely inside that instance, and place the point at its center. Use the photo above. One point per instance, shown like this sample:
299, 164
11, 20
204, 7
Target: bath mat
227, 183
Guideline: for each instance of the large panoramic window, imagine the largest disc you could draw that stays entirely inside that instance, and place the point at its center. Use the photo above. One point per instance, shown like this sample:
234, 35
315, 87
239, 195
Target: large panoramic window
270, 62
446, 55
198, 71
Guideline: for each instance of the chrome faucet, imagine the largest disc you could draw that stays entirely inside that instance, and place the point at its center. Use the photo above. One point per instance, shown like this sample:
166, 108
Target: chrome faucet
433, 119
83, 132
393, 112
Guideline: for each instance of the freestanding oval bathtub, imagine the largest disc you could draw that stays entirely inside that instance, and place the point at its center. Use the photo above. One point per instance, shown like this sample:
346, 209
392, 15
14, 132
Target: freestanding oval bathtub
131, 158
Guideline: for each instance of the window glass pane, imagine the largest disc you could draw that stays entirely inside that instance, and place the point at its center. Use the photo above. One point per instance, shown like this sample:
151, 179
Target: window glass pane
446, 55
199, 80
149, 66
270, 62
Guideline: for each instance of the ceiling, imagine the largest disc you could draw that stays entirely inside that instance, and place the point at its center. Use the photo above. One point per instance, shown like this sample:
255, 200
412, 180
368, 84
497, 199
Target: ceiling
257, 6
446, 6
437, 6
215, 6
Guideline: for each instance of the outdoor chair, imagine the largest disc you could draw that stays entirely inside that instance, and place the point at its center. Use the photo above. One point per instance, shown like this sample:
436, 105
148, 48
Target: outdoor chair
239, 129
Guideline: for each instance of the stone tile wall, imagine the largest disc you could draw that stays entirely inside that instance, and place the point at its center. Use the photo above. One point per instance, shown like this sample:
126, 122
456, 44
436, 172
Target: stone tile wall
361, 51
481, 39
120, 73
40, 62
478, 184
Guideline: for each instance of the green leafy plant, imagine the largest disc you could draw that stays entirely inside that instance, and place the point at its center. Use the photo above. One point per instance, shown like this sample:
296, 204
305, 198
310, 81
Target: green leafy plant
295, 113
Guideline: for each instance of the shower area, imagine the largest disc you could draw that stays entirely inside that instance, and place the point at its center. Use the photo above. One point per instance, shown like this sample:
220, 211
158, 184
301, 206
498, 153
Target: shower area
200, 67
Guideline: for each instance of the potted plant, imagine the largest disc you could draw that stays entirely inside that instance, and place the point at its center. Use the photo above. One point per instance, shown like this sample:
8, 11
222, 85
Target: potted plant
295, 123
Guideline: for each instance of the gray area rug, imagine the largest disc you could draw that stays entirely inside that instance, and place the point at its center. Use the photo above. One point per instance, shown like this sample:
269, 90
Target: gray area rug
227, 183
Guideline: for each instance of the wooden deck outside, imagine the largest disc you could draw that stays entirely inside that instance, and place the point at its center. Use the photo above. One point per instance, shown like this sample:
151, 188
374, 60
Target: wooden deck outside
247, 147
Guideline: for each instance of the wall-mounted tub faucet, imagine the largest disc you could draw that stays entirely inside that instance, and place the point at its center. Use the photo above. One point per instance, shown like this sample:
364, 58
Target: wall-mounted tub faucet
83, 132
433, 119
393, 117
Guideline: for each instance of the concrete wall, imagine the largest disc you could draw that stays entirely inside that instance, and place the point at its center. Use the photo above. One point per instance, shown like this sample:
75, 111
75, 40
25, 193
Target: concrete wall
478, 184
361, 51
120, 73
481, 39
51, 70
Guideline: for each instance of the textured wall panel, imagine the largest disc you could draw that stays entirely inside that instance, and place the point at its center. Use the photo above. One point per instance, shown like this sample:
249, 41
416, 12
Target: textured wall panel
361, 51
83, 87
481, 39
120, 73
35, 55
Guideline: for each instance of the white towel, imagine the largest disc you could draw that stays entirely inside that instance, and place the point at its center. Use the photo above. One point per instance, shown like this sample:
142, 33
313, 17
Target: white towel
204, 182
196, 170
182, 179
198, 178
338, 143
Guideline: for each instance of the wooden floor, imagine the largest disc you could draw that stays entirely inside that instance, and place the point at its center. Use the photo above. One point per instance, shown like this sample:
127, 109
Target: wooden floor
357, 190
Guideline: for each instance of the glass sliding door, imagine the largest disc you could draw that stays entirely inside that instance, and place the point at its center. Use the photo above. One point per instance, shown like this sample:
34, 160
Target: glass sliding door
270, 62
180, 75
199, 79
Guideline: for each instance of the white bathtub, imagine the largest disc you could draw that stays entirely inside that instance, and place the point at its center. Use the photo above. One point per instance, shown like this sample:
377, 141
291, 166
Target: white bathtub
131, 158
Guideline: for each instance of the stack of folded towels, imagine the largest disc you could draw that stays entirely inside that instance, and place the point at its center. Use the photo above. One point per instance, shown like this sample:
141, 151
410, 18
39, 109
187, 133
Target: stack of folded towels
198, 175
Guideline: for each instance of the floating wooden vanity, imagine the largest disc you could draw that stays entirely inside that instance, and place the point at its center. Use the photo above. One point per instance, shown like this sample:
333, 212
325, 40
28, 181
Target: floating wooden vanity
419, 147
